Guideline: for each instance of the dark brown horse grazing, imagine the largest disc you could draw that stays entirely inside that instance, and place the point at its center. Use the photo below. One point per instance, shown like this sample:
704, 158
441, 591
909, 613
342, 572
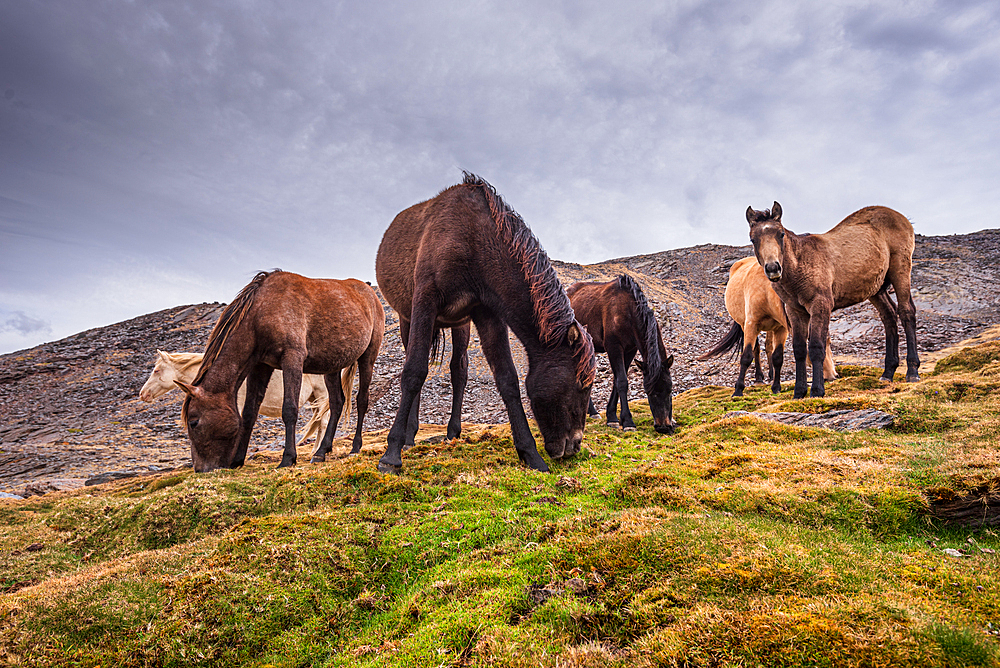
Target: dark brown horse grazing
618, 318
466, 255
281, 321
815, 274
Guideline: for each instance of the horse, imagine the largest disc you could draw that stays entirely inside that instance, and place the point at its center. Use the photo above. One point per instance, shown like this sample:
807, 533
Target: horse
755, 307
281, 320
466, 256
184, 367
621, 323
816, 274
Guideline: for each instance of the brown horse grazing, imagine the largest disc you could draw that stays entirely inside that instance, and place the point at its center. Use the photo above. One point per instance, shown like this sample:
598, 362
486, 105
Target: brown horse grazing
281, 320
755, 307
815, 274
618, 318
464, 256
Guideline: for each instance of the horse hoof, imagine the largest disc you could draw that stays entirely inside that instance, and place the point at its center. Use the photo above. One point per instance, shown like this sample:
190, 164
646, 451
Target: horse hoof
286, 464
389, 469
317, 460
915, 378
612, 424
628, 428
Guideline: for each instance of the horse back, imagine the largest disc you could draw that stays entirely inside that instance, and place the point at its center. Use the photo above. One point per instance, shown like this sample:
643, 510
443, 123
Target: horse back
439, 241
334, 321
862, 249
605, 310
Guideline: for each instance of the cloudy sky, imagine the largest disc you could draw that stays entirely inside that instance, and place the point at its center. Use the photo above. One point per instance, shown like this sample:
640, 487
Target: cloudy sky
158, 153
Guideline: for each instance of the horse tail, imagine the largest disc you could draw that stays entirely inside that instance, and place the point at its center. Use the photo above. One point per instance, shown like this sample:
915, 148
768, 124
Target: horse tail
347, 385
733, 340
437, 346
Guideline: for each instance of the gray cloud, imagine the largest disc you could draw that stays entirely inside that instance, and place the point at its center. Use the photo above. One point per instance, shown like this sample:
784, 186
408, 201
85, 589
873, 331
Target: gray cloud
159, 153
21, 323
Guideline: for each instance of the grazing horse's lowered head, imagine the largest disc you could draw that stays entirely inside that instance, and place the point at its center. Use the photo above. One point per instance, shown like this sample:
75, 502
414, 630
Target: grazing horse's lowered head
213, 425
768, 236
660, 392
559, 393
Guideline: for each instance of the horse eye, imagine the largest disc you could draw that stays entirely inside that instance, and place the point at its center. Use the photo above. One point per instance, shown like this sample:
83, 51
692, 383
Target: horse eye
192, 423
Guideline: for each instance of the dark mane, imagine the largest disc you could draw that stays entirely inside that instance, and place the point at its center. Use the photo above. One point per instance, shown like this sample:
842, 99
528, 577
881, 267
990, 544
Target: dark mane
647, 320
552, 309
230, 319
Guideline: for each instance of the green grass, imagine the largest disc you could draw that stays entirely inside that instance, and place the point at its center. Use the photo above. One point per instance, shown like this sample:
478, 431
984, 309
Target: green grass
735, 541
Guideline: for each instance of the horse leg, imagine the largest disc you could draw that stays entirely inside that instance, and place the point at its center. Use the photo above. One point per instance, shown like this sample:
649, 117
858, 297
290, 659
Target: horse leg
459, 375
750, 332
617, 358
758, 369
291, 375
900, 278
768, 352
419, 336
777, 357
335, 395
829, 368
800, 332
366, 369
256, 385
887, 312
612, 408
591, 409
496, 348
413, 419
819, 334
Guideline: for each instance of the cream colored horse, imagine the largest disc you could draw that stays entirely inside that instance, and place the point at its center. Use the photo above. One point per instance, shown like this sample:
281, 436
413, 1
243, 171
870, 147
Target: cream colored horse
183, 367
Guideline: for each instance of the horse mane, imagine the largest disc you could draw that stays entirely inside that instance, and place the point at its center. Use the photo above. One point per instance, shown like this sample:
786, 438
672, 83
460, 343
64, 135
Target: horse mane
230, 319
184, 361
647, 322
551, 306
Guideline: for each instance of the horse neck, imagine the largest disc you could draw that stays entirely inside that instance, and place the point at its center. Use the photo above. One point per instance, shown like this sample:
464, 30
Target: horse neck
230, 367
515, 306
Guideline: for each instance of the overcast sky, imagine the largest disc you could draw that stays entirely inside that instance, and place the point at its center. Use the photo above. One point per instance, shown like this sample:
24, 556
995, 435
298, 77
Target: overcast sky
159, 153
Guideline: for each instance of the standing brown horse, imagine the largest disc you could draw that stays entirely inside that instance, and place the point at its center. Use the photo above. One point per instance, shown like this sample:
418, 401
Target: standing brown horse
464, 256
281, 320
618, 318
816, 274
755, 307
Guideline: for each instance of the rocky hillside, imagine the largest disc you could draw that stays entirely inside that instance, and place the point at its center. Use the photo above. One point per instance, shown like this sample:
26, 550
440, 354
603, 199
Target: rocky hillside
70, 412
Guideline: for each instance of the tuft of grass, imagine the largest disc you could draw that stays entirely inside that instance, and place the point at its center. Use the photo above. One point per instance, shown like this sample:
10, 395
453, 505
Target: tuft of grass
736, 541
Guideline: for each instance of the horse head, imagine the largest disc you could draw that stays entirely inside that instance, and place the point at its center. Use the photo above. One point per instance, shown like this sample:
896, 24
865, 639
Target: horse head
768, 236
659, 389
559, 391
161, 380
213, 425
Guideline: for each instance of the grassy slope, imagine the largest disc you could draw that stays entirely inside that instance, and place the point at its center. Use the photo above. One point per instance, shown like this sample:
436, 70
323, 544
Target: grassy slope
734, 542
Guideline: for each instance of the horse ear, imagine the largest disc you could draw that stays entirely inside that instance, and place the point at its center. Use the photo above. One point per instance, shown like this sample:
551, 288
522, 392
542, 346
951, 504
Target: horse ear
573, 334
776, 213
188, 389
750, 215
670, 361
163, 355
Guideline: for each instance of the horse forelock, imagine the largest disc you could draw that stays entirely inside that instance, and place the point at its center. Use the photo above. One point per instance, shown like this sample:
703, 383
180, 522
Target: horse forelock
647, 321
231, 318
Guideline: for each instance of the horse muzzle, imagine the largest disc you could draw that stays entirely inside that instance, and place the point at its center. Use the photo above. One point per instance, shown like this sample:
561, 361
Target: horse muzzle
773, 271
566, 447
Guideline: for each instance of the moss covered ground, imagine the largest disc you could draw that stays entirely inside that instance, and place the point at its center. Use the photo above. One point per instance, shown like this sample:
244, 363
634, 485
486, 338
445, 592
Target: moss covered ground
734, 542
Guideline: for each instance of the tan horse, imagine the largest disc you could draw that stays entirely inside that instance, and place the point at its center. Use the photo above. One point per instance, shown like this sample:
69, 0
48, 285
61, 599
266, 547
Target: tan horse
816, 274
173, 367
755, 307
